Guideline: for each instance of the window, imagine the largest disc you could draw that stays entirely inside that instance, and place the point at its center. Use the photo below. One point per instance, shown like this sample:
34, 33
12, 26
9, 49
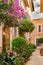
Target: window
39, 28
16, 31
37, 43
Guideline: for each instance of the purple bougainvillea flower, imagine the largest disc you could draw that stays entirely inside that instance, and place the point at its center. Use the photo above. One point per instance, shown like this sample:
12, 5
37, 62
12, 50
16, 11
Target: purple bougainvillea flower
12, 23
6, 1
18, 11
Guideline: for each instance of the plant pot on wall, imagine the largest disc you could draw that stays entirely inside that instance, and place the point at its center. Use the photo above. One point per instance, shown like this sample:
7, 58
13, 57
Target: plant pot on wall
41, 52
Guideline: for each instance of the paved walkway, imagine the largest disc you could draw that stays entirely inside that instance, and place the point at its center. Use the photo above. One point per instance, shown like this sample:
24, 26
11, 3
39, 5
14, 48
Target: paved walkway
35, 59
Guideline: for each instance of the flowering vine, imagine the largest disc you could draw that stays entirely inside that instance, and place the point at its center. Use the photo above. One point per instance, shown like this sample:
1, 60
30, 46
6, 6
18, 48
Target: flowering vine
10, 12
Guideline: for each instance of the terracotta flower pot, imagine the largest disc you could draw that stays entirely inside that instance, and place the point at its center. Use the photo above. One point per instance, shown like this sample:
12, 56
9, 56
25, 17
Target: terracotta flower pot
41, 52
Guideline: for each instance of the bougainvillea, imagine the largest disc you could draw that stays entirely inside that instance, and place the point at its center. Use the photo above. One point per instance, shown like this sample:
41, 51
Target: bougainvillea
10, 12
18, 11
6, 1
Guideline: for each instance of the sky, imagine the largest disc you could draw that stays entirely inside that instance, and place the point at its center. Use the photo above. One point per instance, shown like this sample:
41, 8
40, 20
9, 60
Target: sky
36, 14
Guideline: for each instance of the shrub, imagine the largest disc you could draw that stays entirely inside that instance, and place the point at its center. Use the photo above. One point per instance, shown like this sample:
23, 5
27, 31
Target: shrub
19, 60
6, 59
26, 26
21, 46
40, 40
32, 46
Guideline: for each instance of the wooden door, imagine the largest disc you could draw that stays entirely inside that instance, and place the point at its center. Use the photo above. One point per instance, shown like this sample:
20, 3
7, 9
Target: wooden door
6, 38
37, 43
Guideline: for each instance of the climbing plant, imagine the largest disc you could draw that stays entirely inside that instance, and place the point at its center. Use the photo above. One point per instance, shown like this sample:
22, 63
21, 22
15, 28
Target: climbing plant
10, 12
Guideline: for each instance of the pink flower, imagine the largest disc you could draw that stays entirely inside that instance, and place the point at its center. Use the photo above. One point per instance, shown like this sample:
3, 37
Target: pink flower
9, 52
15, 54
6, 1
12, 23
17, 10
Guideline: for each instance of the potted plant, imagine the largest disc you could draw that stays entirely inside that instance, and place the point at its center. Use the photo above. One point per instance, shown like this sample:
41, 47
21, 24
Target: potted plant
41, 43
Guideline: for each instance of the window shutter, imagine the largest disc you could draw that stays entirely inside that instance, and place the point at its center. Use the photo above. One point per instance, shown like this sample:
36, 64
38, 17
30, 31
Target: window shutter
41, 6
25, 3
31, 5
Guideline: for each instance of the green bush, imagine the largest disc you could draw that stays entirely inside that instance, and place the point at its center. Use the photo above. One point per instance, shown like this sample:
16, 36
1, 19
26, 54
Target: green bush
32, 46
40, 40
6, 59
26, 26
19, 60
21, 46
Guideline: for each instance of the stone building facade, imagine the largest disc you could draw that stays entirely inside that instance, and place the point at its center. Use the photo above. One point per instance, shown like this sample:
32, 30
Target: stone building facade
38, 31
6, 37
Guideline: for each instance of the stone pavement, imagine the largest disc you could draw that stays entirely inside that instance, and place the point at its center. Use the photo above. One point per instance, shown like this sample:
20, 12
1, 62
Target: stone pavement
35, 59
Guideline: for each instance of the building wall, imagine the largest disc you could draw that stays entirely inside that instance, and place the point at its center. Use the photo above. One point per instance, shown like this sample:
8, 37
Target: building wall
35, 34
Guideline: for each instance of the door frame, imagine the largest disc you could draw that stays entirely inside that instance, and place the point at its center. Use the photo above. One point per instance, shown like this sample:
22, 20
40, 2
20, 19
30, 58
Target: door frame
35, 40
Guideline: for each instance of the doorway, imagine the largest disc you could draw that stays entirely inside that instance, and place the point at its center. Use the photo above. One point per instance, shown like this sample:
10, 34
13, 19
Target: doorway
6, 38
37, 43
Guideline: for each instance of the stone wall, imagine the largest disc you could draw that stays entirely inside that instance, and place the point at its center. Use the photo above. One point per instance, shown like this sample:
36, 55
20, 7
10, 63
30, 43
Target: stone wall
35, 34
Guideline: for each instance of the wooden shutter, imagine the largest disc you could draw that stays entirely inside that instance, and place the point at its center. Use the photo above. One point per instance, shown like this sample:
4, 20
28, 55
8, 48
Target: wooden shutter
25, 3
31, 5
41, 6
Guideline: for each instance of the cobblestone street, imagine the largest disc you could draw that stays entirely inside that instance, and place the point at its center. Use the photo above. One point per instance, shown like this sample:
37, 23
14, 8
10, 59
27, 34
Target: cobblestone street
35, 59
